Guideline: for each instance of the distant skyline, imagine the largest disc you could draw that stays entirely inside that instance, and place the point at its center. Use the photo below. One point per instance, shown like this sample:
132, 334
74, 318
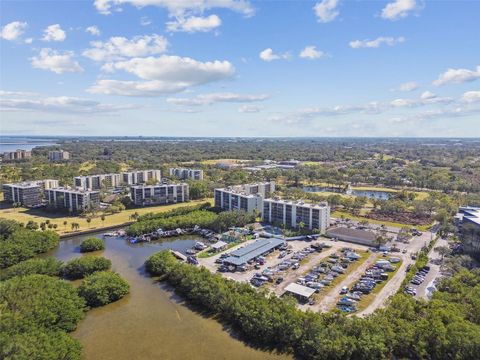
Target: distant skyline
237, 68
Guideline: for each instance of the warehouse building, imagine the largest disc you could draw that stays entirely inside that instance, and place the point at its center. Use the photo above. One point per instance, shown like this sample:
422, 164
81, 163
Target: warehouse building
143, 195
258, 248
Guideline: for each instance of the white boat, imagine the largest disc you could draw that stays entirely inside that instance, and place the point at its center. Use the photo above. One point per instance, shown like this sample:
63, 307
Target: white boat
200, 246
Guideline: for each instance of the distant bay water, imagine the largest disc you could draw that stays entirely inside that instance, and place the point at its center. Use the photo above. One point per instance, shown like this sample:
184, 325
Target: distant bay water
12, 143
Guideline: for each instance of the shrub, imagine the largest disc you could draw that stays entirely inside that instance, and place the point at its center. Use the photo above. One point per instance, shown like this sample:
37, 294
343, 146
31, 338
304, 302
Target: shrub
103, 288
92, 244
43, 300
84, 266
49, 266
18, 244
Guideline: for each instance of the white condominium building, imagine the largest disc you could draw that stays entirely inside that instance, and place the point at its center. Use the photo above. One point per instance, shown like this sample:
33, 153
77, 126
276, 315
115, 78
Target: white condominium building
73, 200
58, 155
97, 182
137, 177
246, 197
187, 174
293, 213
159, 194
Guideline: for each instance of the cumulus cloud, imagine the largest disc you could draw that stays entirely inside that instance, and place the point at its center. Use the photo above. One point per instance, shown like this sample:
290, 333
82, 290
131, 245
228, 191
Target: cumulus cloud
310, 52
93, 30
390, 41
118, 47
164, 75
457, 76
194, 24
427, 95
399, 9
60, 104
408, 86
326, 10
471, 97
209, 99
13, 31
176, 7
268, 55
56, 61
54, 33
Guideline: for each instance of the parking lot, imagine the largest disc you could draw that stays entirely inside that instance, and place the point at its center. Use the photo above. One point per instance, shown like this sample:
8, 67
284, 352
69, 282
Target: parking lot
298, 260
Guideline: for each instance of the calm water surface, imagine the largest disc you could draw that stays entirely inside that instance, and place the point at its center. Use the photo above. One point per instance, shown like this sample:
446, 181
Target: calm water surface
151, 322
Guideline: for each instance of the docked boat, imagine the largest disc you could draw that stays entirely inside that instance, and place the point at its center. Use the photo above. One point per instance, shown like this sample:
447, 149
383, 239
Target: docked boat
200, 245
191, 252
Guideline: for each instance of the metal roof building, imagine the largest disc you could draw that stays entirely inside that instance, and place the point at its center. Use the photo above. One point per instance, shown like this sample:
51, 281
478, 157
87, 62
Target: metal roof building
300, 290
251, 251
362, 237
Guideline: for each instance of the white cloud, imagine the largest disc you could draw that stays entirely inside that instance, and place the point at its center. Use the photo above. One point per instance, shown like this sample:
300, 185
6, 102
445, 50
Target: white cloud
457, 76
408, 86
164, 75
310, 52
145, 21
209, 99
117, 48
402, 103
194, 24
268, 55
178, 7
390, 41
28, 40
93, 30
13, 30
56, 61
426, 95
471, 97
326, 10
62, 104
398, 9
249, 109
54, 33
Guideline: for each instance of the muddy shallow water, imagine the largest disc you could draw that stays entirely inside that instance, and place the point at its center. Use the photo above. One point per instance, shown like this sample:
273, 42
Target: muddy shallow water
151, 322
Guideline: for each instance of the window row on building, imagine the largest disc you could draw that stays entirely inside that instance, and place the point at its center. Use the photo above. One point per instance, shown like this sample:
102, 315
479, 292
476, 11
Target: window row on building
72, 200
159, 194
187, 174
109, 181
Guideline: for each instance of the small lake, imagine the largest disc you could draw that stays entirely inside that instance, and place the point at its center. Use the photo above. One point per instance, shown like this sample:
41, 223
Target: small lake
151, 322
370, 194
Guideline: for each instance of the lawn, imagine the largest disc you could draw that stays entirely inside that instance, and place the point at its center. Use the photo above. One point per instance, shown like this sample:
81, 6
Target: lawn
24, 215
367, 299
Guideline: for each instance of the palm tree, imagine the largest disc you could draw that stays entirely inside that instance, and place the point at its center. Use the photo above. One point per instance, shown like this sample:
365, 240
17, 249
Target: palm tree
102, 218
89, 220
65, 224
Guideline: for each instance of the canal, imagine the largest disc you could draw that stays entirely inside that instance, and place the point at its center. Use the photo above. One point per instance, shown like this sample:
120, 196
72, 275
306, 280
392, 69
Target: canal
151, 322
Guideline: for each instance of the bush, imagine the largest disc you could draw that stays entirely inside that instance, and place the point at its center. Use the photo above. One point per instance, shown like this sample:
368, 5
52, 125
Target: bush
49, 266
92, 244
18, 244
43, 300
103, 288
84, 266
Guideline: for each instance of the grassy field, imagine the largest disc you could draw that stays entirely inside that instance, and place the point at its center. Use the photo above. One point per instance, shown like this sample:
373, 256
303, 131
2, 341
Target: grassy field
367, 299
24, 215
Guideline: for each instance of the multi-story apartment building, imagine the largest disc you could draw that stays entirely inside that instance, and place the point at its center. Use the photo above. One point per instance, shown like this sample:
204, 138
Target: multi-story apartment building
187, 174
159, 194
27, 193
468, 222
58, 155
17, 155
72, 200
230, 199
247, 197
97, 182
141, 176
293, 213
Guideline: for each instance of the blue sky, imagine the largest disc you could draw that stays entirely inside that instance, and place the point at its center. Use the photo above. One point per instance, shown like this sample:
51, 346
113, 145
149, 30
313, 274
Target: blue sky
240, 68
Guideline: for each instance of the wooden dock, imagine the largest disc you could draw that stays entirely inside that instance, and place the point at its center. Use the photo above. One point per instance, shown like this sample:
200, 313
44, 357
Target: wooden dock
179, 255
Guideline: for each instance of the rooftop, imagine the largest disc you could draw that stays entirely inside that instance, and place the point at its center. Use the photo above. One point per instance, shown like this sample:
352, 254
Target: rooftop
357, 233
73, 191
470, 213
299, 203
251, 251
25, 184
300, 290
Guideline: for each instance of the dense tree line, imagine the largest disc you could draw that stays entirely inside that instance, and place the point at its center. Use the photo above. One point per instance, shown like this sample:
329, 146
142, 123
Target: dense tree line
102, 288
18, 243
188, 219
448, 327
83, 266
92, 244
